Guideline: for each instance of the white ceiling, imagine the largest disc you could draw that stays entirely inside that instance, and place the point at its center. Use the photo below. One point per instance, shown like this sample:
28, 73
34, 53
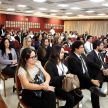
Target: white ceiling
85, 5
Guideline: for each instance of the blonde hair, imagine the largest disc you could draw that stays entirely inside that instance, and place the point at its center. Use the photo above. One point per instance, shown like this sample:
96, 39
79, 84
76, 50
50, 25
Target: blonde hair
25, 41
56, 39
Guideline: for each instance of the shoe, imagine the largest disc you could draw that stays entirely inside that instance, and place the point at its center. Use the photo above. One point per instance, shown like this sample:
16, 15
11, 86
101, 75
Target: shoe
96, 90
14, 89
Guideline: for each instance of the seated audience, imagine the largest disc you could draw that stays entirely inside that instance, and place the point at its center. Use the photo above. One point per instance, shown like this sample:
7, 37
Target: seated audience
79, 65
44, 35
57, 68
96, 57
35, 36
44, 51
102, 36
37, 43
80, 39
88, 46
26, 44
29, 64
8, 59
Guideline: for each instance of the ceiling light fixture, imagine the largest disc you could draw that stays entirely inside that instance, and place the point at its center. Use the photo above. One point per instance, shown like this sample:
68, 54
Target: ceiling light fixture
10, 9
53, 10
42, 9
75, 8
63, 5
90, 11
105, 4
101, 14
68, 13
96, 0
80, 15
28, 11
21, 5
39, 0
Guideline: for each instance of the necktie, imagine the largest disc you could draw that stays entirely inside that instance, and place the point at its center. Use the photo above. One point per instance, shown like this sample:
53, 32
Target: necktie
90, 46
101, 61
83, 66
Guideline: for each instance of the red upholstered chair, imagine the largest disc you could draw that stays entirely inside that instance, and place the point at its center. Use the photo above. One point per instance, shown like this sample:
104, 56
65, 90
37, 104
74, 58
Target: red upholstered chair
57, 97
0, 38
3, 77
18, 85
17, 46
71, 40
33, 41
67, 49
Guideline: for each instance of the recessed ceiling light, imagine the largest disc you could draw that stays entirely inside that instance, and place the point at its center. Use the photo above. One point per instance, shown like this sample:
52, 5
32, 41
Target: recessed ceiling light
10, 9
80, 15
39, 0
39, 12
105, 4
63, 5
68, 13
0, 2
21, 5
97, 0
101, 14
90, 11
28, 11
75, 8
42, 9
53, 10
52, 14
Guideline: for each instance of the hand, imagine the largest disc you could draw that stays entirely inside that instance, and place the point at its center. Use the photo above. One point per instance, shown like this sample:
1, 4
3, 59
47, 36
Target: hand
14, 62
70, 75
44, 86
105, 72
96, 82
51, 88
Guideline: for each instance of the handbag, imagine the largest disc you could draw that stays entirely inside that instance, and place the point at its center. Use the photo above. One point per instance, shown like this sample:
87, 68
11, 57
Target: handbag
70, 84
39, 79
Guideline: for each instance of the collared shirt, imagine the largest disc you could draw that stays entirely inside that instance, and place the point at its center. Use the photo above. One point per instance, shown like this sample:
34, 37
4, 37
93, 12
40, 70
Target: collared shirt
19, 38
52, 31
98, 56
3, 33
83, 62
88, 47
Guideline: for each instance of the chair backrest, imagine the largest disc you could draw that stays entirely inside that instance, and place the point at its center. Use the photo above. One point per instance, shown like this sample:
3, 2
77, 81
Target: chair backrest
18, 84
0, 38
16, 44
106, 59
74, 39
67, 49
67, 58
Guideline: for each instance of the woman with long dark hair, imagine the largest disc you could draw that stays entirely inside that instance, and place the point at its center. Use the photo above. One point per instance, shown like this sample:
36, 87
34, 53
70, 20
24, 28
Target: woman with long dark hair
44, 51
8, 59
37, 43
57, 68
28, 67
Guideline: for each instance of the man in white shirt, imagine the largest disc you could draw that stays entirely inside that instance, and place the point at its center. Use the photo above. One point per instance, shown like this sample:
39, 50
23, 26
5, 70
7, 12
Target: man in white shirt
52, 30
74, 35
88, 46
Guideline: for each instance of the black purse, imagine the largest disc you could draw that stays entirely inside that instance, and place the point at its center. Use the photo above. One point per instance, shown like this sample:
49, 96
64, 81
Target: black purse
39, 79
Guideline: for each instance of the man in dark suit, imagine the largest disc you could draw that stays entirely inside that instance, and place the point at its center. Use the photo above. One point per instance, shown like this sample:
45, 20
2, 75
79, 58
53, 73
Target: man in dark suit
79, 65
96, 57
19, 38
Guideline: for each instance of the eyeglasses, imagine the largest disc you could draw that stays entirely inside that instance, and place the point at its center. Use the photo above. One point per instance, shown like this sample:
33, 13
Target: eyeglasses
34, 57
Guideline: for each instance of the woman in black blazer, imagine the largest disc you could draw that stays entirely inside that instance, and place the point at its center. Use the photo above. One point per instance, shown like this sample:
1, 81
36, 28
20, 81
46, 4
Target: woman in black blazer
58, 69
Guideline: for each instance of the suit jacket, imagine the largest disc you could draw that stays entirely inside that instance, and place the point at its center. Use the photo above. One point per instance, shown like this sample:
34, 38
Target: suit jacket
75, 67
4, 59
94, 58
1, 31
18, 39
56, 80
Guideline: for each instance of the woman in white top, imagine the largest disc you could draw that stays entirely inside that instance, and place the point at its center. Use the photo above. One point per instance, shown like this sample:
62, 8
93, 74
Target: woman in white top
27, 44
58, 69
52, 30
28, 67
